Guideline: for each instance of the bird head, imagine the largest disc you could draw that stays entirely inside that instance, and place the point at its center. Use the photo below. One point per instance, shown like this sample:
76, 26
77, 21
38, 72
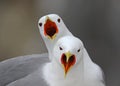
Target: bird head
50, 26
68, 52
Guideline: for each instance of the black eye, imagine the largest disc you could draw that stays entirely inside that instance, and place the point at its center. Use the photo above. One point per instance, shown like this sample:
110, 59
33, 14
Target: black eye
58, 20
40, 24
60, 48
78, 50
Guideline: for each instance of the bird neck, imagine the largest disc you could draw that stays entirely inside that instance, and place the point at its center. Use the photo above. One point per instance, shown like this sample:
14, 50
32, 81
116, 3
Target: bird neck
86, 58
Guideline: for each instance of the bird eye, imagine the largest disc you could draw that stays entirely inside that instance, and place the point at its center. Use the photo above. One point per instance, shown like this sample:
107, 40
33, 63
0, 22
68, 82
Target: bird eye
58, 20
40, 24
78, 50
60, 48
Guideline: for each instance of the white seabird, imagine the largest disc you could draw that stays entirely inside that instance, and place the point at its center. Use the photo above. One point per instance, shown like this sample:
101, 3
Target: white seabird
71, 65
52, 28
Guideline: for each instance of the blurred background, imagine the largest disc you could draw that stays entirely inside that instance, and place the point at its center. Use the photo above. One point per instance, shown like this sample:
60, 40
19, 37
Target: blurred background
95, 22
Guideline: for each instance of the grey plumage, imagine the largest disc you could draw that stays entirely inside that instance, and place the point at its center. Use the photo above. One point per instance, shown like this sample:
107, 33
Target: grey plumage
21, 67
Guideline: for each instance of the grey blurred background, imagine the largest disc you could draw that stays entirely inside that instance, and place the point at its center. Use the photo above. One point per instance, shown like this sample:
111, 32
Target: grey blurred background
95, 22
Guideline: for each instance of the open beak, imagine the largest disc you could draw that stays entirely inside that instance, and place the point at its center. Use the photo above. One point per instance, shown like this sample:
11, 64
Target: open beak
50, 28
67, 60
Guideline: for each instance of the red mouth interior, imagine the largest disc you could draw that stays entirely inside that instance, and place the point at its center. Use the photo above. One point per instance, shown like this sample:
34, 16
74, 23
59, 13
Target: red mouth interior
70, 62
50, 28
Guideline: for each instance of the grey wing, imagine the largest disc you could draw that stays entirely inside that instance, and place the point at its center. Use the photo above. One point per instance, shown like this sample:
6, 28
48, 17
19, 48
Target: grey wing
33, 79
19, 67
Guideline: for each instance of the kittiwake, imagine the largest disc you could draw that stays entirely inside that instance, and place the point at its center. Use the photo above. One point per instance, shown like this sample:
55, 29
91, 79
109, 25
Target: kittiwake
52, 28
71, 65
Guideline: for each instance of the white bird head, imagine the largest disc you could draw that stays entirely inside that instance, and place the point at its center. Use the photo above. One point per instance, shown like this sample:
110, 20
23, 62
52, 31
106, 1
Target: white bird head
68, 52
51, 26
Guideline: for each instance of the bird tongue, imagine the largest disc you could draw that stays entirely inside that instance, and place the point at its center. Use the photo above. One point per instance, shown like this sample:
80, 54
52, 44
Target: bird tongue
50, 28
68, 64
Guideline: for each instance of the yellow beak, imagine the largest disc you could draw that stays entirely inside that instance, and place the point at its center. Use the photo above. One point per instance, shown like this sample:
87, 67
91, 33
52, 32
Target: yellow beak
68, 54
50, 29
68, 60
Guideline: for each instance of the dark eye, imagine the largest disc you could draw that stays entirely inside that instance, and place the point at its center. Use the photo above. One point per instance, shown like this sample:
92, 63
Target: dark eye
58, 20
60, 48
78, 50
40, 24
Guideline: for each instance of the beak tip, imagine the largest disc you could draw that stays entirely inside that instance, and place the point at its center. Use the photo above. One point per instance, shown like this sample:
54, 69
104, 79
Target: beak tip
65, 74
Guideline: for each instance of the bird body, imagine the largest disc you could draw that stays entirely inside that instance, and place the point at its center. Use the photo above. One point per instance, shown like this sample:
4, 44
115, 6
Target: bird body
83, 73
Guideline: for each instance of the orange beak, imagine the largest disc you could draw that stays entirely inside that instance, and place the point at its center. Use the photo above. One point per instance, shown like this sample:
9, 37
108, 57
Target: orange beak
50, 28
67, 60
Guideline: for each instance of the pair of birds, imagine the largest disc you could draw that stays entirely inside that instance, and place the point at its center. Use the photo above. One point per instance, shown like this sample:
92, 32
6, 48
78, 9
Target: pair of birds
69, 65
